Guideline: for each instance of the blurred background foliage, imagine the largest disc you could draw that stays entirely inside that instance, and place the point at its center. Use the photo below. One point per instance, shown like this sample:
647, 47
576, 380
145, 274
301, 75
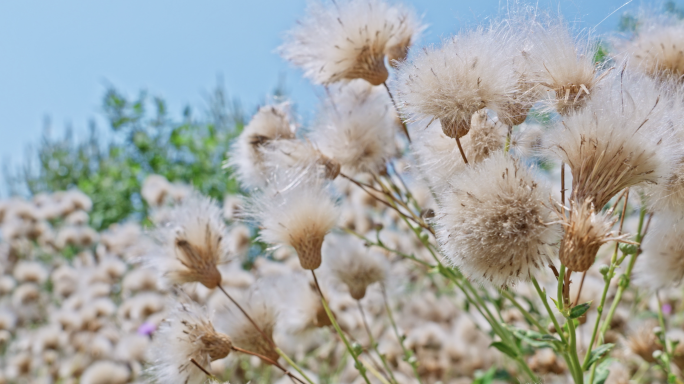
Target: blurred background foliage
141, 139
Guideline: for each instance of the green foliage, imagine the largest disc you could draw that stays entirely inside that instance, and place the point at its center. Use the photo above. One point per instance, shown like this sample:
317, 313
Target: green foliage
143, 139
579, 310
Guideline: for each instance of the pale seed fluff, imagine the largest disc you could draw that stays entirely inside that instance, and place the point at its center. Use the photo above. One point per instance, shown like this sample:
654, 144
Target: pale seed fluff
668, 194
494, 222
658, 50
564, 65
661, 263
354, 264
298, 214
621, 138
408, 31
468, 72
342, 40
438, 158
288, 158
356, 127
270, 123
585, 232
259, 305
193, 243
186, 333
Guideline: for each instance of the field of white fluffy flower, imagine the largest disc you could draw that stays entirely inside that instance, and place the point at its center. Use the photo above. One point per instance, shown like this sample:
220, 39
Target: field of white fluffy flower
506, 207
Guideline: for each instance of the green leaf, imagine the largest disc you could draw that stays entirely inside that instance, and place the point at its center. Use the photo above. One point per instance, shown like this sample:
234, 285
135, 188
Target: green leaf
504, 348
536, 339
598, 353
486, 377
579, 310
602, 371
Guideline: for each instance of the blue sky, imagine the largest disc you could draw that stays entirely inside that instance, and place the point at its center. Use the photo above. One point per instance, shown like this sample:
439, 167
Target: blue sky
58, 57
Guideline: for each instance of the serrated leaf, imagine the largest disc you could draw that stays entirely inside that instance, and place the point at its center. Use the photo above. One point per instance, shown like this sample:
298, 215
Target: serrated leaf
598, 353
602, 371
504, 348
579, 310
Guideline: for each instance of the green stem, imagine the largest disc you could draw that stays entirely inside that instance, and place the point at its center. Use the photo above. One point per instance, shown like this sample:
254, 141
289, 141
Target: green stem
293, 365
408, 355
561, 280
358, 365
573, 351
624, 278
542, 295
614, 263
373, 344
525, 313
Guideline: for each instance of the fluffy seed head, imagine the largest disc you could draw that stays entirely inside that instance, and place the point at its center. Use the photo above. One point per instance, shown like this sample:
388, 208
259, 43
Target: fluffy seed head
662, 261
585, 232
298, 214
343, 40
564, 65
493, 222
356, 127
193, 243
658, 50
352, 263
270, 123
620, 139
668, 194
437, 155
187, 333
243, 333
469, 72
294, 157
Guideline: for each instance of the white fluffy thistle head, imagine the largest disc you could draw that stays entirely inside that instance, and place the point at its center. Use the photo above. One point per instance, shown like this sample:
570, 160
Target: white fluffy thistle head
494, 222
621, 138
437, 155
563, 64
356, 127
662, 262
186, 333
343, 40
193, 243
299, 214
658, 50
469, 72
270, 123
353, 264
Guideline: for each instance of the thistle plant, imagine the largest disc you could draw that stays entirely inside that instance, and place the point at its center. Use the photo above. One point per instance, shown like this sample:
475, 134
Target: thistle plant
426, 226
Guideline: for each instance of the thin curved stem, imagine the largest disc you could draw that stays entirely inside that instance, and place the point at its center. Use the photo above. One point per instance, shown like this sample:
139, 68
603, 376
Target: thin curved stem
460, 149
396, 108
358, 365
294, 365
524, 312
268, 360
374, 345
607, 278
408, 355
254, 324
201, 368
